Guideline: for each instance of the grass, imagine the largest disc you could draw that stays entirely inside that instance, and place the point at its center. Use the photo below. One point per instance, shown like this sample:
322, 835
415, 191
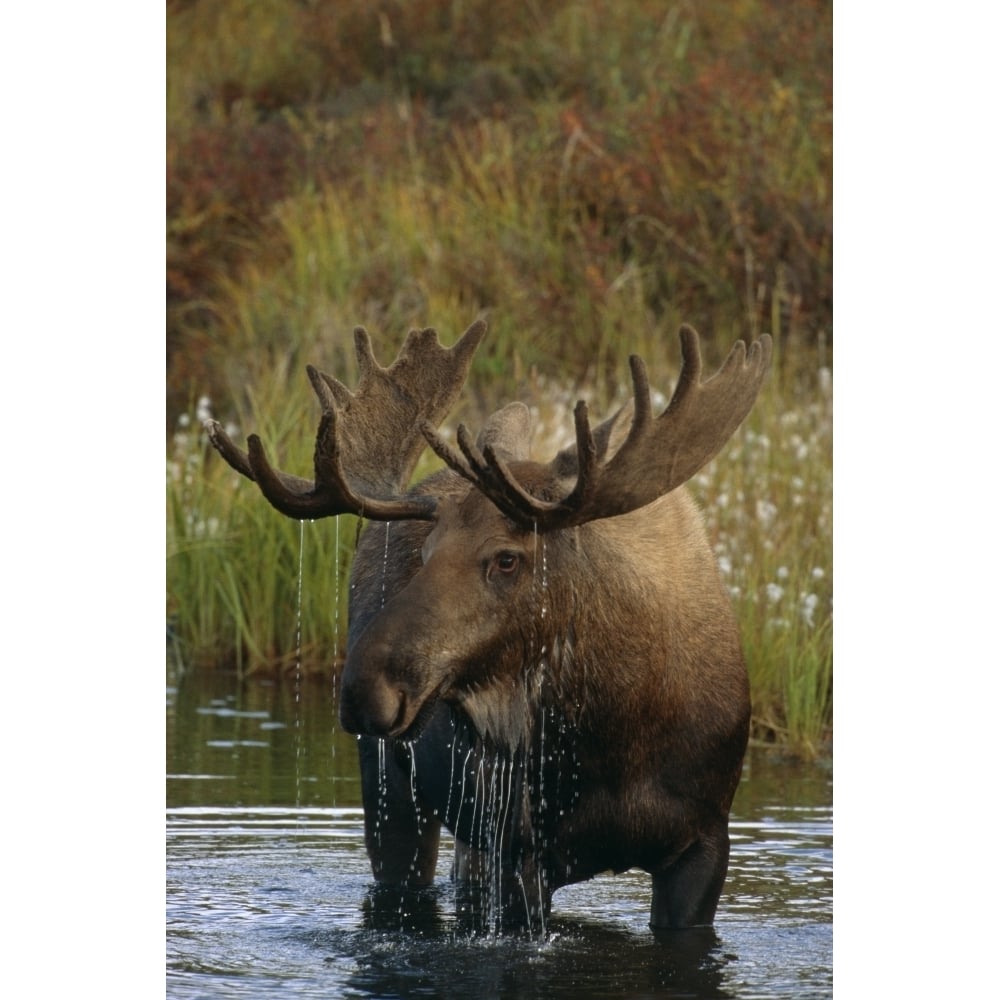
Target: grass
768, 504
587, 176
247, 590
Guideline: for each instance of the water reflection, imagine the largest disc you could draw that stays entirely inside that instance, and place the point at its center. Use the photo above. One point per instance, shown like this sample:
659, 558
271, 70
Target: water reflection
589, 959
269, 890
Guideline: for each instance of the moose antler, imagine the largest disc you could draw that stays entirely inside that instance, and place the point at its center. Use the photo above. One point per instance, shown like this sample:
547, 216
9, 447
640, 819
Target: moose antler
374, 433
656, 457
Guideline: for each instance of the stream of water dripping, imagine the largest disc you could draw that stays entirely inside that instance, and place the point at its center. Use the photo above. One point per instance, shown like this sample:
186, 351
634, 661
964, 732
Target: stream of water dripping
298, 667
421, 815
461, 793
489, 834
504, 785
385, 562
541, 664
336, 638
336, 593
382, 805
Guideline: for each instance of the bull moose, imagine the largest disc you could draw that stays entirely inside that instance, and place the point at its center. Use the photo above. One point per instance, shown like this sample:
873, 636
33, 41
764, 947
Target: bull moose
541, 657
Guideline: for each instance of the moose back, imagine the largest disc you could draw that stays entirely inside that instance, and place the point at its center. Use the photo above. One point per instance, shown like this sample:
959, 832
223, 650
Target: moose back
541, 657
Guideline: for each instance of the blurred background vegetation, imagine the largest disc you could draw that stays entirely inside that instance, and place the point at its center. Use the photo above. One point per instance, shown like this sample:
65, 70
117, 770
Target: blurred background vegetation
586, 176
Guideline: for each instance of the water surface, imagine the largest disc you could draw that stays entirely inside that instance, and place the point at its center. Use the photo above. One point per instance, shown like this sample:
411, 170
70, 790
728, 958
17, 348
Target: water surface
269, 890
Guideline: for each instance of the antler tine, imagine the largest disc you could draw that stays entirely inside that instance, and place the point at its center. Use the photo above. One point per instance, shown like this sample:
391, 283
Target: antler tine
556, 515
365, 355
373, 433
586, 446
223, 444
303, 504
691, 365
330, 493
489, 473
699, 419
243, 462
447, 455
642, 405
500, 485
657, 456
331, 392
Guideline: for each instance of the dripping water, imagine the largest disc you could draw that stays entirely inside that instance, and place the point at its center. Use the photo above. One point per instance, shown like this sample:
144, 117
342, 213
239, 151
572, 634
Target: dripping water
422, 818
503, 785
451, 776
545, 578
539, 664
488, 830
298, 667
461, 793
478, 799
336, 637
385, 562
381, 808
336, 592
541, 584
492, 800
536, 821
484, 867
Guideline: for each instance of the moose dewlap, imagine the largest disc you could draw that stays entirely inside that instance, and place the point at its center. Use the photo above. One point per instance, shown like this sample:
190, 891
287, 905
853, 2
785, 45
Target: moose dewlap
546, 662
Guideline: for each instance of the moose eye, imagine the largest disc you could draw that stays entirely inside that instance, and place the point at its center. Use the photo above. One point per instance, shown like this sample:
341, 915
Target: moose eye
504, 564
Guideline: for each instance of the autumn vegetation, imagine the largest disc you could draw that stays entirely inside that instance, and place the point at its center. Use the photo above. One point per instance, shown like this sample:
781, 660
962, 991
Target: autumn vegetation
586, 176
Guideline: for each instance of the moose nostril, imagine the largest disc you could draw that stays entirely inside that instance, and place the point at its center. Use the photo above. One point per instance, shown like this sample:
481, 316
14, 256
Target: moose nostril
349, 714
372, 709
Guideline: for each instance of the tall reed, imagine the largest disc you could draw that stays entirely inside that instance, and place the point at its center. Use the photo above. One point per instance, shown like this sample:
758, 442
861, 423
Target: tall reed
248, 589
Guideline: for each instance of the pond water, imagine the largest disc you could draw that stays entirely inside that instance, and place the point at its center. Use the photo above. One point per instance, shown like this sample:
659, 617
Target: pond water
269, 890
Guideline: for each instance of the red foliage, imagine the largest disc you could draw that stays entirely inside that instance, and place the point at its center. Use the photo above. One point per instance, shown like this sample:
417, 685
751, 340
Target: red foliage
221, 183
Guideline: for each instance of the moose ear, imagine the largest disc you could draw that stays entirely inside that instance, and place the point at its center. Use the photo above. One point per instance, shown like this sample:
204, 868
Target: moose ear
610, 435
608, 438
507, 432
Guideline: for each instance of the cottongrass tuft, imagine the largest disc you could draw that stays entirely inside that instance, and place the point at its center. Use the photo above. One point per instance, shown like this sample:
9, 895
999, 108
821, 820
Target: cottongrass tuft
767, 502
